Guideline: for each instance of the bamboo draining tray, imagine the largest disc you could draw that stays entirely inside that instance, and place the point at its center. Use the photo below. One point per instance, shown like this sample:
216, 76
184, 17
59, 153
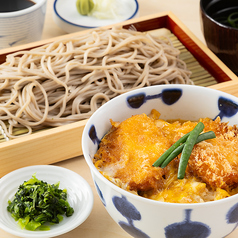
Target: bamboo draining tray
64, 142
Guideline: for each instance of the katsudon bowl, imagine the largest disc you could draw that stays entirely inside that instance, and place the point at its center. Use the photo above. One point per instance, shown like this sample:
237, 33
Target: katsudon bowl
142, 217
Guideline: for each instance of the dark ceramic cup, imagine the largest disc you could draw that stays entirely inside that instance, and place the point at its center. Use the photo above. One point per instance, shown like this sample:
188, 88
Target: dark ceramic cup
221, 37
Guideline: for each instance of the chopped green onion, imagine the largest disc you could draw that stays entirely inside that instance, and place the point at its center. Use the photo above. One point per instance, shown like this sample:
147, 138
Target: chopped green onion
233, 19
230, 20
187, 150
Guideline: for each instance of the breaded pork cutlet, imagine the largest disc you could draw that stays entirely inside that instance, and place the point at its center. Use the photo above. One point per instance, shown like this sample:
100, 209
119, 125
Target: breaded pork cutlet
216, 161
127, 153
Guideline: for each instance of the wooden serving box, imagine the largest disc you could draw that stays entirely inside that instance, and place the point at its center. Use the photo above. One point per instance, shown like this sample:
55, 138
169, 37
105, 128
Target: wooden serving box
64, 142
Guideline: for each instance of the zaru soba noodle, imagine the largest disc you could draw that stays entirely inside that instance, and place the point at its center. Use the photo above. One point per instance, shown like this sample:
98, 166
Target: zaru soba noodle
67, 80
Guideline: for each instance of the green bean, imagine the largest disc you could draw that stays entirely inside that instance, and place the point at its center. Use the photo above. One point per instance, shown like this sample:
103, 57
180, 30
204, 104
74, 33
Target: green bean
163, 157
188, 146
178, 150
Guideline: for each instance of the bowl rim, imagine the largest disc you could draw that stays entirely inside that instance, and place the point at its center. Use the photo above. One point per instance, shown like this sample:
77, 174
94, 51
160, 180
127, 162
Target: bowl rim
36, 6
213, 20
90, 27
94, 170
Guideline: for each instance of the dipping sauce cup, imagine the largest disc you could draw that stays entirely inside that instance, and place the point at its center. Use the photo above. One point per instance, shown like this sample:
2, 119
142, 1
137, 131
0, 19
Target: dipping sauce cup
22, 26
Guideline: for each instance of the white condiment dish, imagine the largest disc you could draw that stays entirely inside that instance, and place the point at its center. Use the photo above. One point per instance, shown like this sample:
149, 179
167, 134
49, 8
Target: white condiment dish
68, 19
80, 197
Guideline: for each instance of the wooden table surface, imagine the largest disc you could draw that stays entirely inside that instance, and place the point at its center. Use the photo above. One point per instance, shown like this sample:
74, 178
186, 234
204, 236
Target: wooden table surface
99, 224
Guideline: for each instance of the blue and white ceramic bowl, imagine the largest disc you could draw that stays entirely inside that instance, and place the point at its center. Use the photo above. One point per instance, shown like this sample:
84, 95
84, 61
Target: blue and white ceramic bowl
142, 217
23, 26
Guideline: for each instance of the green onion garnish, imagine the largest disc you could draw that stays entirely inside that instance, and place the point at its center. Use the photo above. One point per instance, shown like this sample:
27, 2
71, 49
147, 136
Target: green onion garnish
233, 19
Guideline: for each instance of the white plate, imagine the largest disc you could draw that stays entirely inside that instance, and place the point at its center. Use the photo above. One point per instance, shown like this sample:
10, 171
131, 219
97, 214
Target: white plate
80, 197
67, 17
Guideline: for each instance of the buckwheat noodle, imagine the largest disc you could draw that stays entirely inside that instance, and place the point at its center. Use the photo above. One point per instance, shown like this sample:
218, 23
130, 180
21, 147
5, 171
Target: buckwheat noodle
67, 80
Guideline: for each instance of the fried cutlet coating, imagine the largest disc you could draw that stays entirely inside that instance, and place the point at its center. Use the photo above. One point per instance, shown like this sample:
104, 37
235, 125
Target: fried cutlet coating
216, 161
129, 150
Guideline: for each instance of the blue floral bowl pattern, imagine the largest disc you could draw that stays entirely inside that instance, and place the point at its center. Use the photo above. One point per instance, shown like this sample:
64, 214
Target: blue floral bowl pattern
141, 217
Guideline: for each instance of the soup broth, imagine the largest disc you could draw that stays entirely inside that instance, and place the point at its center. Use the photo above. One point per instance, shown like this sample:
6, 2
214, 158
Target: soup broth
227, 16
15, 5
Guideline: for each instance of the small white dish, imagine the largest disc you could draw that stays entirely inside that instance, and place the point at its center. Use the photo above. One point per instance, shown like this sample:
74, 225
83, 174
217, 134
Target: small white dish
68, 19
80, 197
